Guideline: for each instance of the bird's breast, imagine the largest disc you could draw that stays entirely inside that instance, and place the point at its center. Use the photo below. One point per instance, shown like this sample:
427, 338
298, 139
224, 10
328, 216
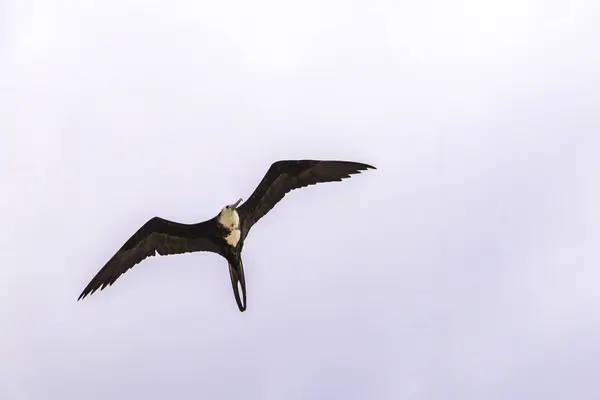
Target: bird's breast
233, 237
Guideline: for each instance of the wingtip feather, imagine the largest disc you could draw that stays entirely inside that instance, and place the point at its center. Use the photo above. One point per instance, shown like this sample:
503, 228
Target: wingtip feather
368, 166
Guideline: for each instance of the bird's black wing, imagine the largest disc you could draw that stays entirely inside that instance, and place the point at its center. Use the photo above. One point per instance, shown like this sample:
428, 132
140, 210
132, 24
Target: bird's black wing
284, 176
155, 236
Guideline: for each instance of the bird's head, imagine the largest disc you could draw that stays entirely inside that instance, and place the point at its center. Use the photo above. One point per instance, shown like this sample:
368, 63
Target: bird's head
229, 216
231, 207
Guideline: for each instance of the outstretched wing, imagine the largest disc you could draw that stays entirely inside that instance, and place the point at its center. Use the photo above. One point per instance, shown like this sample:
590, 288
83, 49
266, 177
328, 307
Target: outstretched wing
155, 236
287, 175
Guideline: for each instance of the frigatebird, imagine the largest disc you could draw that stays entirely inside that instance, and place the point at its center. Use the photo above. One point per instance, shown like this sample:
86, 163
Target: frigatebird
225, 233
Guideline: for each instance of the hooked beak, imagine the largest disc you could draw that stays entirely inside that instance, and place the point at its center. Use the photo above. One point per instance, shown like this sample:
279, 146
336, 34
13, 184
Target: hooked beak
234, 205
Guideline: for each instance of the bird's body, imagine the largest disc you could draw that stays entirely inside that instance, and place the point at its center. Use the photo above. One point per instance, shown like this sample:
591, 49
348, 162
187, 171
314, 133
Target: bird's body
225, 233
230, 219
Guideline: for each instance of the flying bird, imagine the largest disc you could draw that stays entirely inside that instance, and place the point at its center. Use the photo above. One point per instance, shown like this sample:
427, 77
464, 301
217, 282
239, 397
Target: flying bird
225, 233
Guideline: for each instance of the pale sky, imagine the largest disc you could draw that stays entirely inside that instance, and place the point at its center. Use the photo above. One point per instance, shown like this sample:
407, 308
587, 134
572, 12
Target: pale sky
467, 266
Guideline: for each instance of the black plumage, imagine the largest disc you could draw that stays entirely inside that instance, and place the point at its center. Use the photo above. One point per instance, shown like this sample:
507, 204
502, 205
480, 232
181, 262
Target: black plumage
219, 234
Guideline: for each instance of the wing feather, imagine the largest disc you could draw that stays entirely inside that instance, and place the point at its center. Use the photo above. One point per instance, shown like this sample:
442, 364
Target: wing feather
160, 236
287, 175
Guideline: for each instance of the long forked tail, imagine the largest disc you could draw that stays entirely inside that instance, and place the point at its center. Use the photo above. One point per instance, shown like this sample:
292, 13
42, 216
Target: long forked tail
236, 272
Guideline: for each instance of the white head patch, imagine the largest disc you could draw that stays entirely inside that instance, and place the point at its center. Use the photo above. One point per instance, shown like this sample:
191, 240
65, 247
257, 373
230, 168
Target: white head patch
229, 218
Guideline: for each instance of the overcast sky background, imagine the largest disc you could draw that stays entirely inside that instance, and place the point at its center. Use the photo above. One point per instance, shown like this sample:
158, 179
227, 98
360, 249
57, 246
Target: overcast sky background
466, 267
